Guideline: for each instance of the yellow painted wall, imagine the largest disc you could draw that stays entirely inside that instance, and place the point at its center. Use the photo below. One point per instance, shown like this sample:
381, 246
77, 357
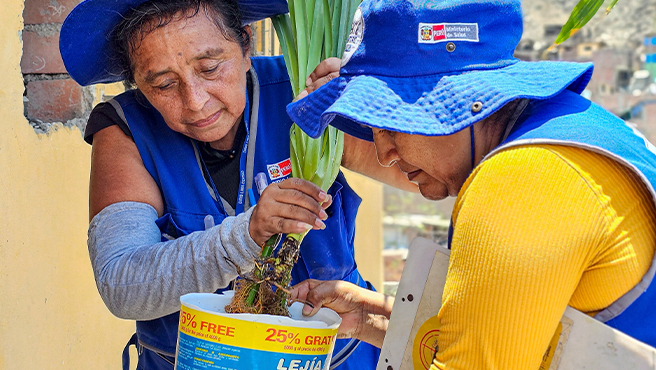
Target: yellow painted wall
368, 227
51, 316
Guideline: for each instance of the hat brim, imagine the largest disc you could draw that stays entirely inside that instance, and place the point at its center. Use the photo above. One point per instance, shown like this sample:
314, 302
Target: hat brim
430, 105
85, 44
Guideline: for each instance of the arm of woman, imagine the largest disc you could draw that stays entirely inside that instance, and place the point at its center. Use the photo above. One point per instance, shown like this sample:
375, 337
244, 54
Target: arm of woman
138, 276
118, 173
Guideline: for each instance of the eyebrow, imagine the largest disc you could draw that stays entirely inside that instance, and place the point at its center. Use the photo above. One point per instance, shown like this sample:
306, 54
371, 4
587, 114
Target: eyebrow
209, 53
150, 76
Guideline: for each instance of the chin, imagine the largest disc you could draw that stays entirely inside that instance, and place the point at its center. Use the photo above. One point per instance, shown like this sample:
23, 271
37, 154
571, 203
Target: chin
432, 195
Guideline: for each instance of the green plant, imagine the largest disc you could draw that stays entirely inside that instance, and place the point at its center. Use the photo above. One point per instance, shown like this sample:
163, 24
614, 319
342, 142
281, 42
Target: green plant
312, 31
581, 14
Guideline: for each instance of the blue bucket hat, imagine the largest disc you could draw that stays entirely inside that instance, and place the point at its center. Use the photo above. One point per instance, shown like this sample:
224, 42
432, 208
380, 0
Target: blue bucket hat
89, 54
431, 68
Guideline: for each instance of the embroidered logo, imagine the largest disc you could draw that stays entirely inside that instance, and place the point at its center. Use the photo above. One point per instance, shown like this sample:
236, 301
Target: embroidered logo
280, 169
425, 33
432, 33
355, 37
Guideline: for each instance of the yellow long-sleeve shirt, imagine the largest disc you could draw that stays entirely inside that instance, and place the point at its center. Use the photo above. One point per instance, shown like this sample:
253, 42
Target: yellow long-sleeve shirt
538, 228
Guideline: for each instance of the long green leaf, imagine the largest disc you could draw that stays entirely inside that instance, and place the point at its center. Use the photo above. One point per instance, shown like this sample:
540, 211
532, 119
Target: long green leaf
611, 6
297, 168
337, 153
336, 12
316, 40
310, 6
344, 26
302, 44
582, 13
327, 30
281, 24
292, 16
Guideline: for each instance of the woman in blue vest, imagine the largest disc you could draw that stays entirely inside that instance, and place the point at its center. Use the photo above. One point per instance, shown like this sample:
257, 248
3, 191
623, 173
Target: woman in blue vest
555, 195
174, 159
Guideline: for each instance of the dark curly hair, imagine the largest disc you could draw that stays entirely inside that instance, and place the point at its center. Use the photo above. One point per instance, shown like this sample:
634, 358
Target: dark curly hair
151, 15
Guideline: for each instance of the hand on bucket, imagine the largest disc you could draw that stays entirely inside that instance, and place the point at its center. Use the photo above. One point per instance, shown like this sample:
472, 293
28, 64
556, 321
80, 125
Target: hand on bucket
365, 313
290, 206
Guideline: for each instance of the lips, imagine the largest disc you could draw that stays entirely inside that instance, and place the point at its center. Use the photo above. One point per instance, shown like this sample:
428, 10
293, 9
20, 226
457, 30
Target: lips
413, 174
206, 121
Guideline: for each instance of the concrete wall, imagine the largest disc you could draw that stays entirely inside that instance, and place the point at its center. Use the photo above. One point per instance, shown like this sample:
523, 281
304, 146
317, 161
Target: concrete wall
51, 316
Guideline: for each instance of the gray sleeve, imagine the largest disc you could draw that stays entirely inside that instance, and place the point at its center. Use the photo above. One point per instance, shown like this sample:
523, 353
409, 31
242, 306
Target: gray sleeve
141, 278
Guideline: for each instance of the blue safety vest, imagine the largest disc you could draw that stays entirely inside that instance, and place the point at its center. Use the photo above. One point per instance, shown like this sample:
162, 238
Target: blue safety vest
174, 162
569, 119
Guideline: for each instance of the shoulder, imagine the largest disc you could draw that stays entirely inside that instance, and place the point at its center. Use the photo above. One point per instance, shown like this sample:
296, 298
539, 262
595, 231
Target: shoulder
527, 181
102, 116
270, 70
550, 182
107, 114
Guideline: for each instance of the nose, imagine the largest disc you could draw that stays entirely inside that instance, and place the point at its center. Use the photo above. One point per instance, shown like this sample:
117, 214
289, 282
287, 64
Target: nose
385, 148
194, 95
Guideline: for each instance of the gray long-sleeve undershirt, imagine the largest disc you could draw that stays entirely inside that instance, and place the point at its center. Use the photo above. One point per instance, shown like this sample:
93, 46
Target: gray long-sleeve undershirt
141, 278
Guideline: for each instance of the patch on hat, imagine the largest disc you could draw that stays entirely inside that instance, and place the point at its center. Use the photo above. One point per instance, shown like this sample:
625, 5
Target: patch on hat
432, 33
355, 37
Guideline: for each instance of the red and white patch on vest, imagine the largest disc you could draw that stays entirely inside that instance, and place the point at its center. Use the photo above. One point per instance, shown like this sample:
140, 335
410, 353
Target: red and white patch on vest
280, 169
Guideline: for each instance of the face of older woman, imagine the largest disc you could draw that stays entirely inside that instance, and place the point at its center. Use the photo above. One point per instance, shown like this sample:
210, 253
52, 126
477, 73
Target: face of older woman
195, 78
438, 164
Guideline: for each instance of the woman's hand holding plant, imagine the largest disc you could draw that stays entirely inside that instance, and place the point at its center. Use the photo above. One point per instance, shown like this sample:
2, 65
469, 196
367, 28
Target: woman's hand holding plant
290, 206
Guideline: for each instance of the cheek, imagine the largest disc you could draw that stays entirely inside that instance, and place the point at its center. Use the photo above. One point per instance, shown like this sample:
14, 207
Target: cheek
231, 93
171, 110
169, 106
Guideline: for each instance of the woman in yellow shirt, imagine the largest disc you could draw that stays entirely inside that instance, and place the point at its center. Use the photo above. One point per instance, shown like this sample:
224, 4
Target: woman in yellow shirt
555, 195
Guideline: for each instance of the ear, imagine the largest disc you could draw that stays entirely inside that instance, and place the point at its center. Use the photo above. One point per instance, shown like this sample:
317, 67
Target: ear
248, 30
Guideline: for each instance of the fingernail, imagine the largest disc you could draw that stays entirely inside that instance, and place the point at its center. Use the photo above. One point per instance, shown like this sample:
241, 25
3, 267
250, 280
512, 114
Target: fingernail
320, 224
308, 81
323, 196
307, 310
305, 226
301, 95
323, 214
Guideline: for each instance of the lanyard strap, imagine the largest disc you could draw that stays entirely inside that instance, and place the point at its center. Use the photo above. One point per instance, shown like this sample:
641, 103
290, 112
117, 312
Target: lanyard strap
241, 195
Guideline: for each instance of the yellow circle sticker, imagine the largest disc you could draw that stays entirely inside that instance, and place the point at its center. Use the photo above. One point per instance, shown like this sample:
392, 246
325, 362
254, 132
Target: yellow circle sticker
424, 347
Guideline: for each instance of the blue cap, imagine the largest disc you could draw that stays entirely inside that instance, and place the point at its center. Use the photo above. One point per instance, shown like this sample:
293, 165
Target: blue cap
431, 68
86, 48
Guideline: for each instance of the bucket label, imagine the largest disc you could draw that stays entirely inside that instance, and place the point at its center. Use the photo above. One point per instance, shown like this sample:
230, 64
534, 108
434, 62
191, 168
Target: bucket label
209, 341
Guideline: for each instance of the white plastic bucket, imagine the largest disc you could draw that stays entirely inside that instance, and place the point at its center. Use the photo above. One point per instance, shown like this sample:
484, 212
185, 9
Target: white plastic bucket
209, 338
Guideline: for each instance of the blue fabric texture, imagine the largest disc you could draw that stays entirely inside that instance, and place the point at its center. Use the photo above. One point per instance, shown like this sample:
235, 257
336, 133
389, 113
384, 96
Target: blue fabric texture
569, 119
84, 41
418, 67
169, 158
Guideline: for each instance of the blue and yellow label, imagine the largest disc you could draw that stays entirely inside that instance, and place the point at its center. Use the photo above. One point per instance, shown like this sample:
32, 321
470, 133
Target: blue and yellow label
210, 341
